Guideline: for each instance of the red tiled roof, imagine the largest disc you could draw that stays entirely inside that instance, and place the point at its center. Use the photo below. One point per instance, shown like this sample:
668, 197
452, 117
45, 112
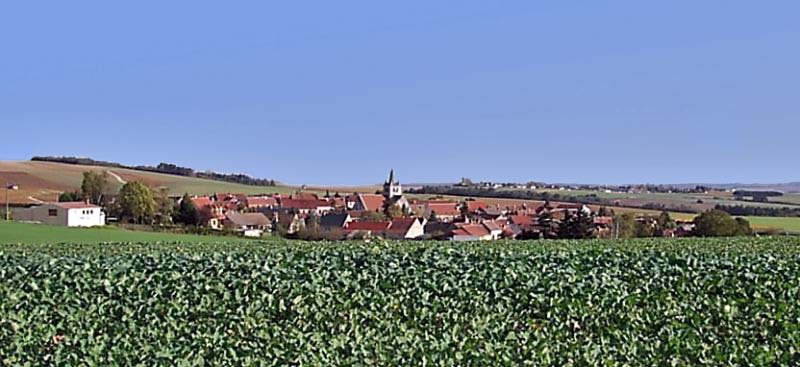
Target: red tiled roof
447, 208
368, 226
303, 203
305, 196
522, 220
255, 202
227, 196
337, 202
202, 201
372, 202
477, 230
76, 205
473, 206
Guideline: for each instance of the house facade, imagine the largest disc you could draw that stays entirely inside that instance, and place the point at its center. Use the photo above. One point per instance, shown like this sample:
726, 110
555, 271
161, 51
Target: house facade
67, 214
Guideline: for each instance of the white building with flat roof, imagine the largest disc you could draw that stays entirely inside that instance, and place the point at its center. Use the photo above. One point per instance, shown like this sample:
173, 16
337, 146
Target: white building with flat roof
68, 214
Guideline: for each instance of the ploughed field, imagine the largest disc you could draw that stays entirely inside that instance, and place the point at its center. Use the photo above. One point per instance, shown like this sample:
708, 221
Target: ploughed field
640, 302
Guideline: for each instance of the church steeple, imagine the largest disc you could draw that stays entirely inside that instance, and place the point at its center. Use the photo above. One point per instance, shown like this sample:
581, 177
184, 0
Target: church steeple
392, 188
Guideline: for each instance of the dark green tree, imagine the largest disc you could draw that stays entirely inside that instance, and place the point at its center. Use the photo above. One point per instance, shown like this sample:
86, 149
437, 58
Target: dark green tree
70, 196
136, 202
665, 221
624, 226
165, 206
548, 226
577, 226
94, 186
744, 228
187, 212
373, 216
717, 223
646, 227
394, 211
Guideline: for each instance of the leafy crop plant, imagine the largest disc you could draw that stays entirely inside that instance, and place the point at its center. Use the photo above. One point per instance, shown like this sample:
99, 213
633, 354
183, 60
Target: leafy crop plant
581, 303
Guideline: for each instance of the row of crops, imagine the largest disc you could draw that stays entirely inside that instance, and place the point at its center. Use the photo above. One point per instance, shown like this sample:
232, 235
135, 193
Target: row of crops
642, 302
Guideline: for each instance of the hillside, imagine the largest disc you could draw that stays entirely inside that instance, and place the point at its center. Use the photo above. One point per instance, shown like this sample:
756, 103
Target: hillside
44, 181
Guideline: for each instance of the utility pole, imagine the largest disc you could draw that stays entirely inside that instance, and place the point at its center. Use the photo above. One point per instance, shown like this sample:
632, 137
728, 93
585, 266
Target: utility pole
9, 187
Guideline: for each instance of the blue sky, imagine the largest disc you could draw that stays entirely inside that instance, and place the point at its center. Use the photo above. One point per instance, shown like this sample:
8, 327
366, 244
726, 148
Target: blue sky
339, 92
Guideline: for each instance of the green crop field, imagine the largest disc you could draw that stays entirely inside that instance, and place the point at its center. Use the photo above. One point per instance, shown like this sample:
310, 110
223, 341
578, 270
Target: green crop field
14, 232
637, 303
788, 224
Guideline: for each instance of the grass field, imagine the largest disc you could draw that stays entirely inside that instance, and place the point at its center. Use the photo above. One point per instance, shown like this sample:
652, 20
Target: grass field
791, 225
686, 302
13, 232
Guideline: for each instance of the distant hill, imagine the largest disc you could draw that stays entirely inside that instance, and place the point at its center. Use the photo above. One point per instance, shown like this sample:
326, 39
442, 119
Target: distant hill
40, 181
787, 188
167, 168
44, 181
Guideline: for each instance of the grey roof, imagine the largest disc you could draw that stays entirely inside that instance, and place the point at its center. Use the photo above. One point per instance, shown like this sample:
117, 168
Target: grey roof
332, 220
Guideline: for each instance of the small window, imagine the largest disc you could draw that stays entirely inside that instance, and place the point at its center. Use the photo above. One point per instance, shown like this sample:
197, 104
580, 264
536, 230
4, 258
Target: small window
52, 212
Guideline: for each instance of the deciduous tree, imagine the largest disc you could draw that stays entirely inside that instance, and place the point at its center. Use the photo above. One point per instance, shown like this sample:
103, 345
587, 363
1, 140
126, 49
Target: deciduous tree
136, 202
717, 223
94, 186
187, 212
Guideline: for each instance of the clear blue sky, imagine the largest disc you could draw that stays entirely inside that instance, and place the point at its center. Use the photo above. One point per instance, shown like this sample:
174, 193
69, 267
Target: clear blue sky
338, 92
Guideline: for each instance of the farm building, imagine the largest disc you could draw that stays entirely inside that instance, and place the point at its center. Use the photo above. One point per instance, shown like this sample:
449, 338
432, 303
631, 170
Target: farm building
68, 214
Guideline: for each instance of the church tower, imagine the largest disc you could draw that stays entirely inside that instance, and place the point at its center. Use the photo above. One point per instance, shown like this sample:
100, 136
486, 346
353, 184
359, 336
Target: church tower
392, 188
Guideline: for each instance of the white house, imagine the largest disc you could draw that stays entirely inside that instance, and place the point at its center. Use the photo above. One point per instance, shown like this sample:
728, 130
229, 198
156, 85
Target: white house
69, 214
406, 228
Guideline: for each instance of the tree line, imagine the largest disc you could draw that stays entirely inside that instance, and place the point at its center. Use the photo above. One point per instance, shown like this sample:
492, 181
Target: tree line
746, 210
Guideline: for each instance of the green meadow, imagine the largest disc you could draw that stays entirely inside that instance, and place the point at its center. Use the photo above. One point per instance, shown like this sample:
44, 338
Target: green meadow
26, 233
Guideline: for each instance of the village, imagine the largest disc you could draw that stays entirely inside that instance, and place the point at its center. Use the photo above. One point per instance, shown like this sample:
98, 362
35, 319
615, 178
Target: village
390, 214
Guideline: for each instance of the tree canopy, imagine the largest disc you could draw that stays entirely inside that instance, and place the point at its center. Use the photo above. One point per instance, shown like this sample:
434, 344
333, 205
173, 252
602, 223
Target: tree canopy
187, 212
137, 202
94, 185
717, 223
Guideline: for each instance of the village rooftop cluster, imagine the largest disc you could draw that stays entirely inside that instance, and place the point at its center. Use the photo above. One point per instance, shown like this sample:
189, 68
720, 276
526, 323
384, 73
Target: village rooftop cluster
390, 214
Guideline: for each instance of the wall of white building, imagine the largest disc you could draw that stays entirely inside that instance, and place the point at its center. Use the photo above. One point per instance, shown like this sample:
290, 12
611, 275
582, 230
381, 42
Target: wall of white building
55, 215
